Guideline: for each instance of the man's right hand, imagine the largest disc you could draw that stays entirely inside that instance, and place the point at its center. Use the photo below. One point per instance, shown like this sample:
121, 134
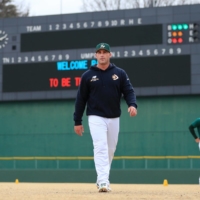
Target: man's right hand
79, 130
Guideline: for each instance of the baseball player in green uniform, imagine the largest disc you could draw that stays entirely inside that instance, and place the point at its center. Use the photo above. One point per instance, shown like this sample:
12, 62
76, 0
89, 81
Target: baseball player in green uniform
195, 124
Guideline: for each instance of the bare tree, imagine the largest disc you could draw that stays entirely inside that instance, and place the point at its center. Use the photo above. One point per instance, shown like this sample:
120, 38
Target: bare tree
8, 9
100, 5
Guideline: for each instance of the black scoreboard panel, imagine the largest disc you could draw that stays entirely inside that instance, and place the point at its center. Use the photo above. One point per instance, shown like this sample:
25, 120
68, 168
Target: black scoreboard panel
44, 57
77, 39
143, 72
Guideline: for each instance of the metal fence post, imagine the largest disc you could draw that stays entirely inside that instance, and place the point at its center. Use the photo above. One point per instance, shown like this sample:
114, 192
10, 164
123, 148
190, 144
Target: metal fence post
123, 164
191, 163
146, 164
79, 164
57, 163
35, 163
168, 163
14, 164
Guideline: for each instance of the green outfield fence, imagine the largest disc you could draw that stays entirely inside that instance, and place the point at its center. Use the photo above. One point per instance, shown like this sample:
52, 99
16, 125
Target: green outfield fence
191, 159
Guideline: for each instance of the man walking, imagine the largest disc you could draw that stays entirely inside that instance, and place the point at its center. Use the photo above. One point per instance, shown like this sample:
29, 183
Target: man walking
101, 89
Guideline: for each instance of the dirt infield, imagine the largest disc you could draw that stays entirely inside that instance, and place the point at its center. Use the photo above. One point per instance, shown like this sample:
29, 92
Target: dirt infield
61, 191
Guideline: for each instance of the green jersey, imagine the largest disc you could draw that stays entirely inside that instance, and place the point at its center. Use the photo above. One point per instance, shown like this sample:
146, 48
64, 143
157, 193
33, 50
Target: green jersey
195, 124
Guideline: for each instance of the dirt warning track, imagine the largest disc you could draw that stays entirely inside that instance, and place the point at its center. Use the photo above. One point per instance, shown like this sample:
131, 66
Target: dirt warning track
64, 191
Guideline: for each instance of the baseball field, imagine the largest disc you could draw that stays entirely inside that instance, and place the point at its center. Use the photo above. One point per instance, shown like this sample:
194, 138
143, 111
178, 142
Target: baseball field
65, 191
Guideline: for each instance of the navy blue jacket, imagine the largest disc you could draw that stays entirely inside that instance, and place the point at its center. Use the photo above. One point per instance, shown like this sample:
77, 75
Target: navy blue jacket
102, 90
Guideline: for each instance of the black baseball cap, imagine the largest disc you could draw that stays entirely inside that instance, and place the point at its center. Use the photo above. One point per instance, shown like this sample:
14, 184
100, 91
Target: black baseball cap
104, 46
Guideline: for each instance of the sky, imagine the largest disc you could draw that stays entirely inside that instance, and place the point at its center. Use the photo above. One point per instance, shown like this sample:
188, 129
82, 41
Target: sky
50, 7
53, 7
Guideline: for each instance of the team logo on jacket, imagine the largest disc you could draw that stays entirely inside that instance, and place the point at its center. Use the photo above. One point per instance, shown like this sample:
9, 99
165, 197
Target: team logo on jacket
114, 77
94, 78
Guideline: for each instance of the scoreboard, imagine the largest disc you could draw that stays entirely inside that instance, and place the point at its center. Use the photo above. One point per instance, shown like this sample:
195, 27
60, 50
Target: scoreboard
43, 57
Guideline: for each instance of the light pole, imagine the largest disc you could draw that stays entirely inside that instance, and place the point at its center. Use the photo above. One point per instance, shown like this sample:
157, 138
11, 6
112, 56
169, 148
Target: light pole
60, 6
154, 3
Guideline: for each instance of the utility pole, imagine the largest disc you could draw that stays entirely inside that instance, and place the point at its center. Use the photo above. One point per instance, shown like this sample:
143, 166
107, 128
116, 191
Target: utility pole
60, 6
154, 3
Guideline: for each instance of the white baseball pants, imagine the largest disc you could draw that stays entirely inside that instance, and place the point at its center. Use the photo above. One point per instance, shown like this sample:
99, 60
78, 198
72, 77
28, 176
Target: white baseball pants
104, 132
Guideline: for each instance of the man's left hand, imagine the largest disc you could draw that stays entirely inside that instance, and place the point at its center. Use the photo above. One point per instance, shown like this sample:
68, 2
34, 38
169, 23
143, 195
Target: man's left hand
132, 111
